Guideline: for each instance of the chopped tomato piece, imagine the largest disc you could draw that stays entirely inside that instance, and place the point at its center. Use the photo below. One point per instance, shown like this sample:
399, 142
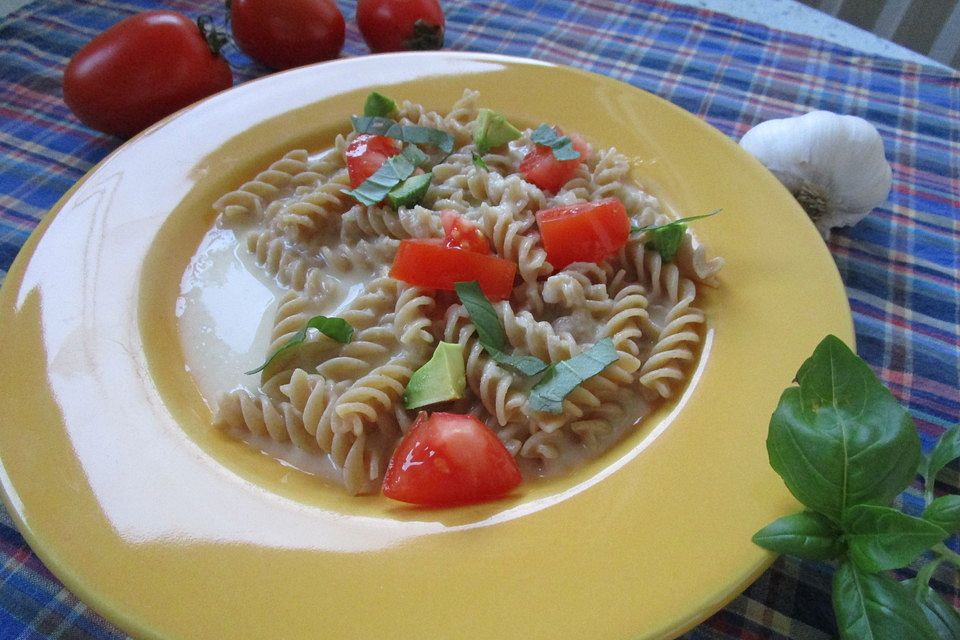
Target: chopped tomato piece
448, 459
428, 263
585, 232
366, 153
542, 168
460, 233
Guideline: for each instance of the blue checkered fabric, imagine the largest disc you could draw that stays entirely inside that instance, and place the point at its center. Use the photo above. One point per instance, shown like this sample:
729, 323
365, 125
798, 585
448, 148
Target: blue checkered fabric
900, 265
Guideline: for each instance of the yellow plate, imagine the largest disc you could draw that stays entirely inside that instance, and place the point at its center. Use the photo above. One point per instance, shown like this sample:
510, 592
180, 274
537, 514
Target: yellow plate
115, 478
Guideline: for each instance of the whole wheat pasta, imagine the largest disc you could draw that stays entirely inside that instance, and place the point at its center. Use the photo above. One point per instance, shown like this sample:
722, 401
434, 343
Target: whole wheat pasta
330, 254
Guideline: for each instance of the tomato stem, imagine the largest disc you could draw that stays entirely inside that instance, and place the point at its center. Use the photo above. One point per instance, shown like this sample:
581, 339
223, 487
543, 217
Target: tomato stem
425, 37
216, 38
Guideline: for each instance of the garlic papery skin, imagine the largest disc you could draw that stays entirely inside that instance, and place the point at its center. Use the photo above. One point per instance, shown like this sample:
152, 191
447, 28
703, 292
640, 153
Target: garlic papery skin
833, 165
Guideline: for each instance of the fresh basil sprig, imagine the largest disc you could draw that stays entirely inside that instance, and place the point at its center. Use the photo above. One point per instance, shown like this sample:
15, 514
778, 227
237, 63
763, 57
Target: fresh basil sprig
392, 172
490, 333
845, 449
413, 134
561, 146
564, 376
336, 328
665, 239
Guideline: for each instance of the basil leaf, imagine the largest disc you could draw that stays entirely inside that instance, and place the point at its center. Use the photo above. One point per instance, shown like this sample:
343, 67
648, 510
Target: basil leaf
412, 134
944, 452
840, 438
375, 125
527, 365
941, 615
336, 328
426, 135
806, 535
392, 172
944, 512
490, 333
871, 606
564, 376
478, 162
561, 146
378, 104
666, 238
881, 538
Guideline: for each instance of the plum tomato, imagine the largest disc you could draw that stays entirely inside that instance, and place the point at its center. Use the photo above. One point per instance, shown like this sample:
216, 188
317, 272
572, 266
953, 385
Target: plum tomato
401, 25
141, 70
287, 34
449, 459
365, 154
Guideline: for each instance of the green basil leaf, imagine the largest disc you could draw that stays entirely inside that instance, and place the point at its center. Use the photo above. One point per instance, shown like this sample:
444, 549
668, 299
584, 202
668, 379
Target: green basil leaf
944, 512
490, 333
881, 538
482, 314
872, 606
478, 162
666, 240
374, 125
411, 134
526, 365
806, 535
941, 615
944, 452
378, 104
840, 438
654, 227
426, 135
336, 328
564, 376
392, 172
561, 146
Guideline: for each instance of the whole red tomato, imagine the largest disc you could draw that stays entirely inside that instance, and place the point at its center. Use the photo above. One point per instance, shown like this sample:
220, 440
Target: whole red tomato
140, 70
401, 25
287, 33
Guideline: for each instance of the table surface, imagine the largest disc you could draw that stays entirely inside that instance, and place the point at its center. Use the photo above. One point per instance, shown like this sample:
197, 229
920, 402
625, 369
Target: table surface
900, 265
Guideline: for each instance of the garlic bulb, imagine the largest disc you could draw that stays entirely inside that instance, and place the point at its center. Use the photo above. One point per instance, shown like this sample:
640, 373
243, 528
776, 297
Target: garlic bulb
833, 165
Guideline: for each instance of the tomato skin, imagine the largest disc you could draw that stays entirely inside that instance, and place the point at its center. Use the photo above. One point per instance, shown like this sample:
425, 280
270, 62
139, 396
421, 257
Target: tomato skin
540, 166
391, 25
141, 70
460, 233
428, 263
448, 459
366, 153
288, 33
584, 232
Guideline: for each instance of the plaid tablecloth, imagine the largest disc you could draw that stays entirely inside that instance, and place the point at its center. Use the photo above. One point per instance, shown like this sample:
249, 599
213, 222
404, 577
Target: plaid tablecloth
900, 265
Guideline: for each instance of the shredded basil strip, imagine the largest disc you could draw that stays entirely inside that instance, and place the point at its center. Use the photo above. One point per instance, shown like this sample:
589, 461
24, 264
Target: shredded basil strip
666, 238
485, 320
395, 170
561, 146
564, 376
378, 104
336, 328
413, 134
479, 163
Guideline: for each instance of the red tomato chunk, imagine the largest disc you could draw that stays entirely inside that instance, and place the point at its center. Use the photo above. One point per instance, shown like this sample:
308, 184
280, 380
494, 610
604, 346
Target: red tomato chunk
448, 459
460, 233
366, 154
428, 263
542, 168
585, 232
